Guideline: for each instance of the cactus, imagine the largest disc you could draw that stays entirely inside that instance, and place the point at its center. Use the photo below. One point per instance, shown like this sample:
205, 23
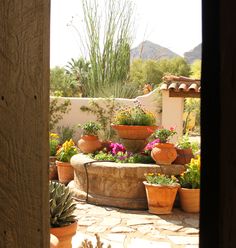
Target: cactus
88, 244
62, 205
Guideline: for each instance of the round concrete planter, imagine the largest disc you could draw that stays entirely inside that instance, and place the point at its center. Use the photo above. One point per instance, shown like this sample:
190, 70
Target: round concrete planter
114, 184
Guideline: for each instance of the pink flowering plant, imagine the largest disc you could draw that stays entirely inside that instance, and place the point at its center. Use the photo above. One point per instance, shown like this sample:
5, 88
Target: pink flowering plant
116, 152
163, 135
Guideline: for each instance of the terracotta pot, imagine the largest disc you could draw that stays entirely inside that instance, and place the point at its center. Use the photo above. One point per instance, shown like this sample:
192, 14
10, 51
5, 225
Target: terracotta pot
134, 132
89, 143
65, 172
160, 198
64, 234
134, 146
190, 200
184, 156
164, 153
52, 168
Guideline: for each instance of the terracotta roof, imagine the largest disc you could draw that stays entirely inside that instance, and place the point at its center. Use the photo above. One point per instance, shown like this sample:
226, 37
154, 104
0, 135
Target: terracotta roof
181, 84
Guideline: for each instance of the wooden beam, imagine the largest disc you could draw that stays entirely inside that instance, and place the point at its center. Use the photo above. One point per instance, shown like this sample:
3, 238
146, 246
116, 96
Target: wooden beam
24, 100
192, 94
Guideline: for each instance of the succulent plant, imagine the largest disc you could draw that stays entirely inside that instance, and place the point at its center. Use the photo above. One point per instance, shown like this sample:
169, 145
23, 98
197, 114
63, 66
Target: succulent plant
62, 205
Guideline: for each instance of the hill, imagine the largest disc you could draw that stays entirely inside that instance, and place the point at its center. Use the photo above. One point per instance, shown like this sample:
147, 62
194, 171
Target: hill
149, 50
195, 53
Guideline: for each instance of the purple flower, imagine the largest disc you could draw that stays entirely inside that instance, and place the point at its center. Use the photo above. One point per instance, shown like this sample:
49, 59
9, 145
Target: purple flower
150, 145
116, 147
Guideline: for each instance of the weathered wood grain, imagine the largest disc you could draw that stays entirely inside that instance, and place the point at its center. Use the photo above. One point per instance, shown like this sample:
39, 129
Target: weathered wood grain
24, 97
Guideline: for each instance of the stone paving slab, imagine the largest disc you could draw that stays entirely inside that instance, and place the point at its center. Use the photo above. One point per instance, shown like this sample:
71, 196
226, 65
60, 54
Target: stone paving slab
136, 229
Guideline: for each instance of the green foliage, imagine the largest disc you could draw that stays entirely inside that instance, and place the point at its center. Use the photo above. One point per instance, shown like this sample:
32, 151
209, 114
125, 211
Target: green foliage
164, 134
161, 179
108, 48
79, 69
152, 71
103, 156
62, 205
90, 128
136, 116
122, 157
56, 111
53, 143
67, 150
63, 83
104, 114
196, 69
184, 142
191, 177
195, 147
65, 133
120, 90
192, 105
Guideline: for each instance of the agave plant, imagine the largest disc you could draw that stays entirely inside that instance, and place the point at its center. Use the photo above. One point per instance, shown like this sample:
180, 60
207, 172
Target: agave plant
62, 205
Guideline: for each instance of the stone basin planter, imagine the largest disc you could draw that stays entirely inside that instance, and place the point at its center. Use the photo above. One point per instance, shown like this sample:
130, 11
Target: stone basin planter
114, 184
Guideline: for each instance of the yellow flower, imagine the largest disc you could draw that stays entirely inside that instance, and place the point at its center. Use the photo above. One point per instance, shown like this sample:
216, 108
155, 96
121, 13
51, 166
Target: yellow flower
54, 136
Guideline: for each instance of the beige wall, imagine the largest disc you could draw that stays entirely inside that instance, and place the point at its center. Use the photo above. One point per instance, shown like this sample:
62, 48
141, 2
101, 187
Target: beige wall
76, 116
172, 113
171, 116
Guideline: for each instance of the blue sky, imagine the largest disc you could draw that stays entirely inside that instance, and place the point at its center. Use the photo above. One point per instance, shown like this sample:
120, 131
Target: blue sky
175, 24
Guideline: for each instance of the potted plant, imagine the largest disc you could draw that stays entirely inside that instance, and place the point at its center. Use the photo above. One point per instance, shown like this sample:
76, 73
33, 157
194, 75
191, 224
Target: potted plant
53, 146
161, 191
89, 142
189, 193
134, 125
64, 154
184, 150
62, 219
164, 152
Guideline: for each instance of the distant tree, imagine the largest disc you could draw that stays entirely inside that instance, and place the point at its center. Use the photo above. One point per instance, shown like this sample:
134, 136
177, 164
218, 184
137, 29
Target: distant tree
108, 47
196, 69
152, 71
62, 83
79, 70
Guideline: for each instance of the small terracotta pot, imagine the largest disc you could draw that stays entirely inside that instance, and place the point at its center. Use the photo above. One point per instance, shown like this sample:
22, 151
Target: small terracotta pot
160, 198
184, 156
190, 200
64, 234
65, 172
134, 132
89, 143
164, 153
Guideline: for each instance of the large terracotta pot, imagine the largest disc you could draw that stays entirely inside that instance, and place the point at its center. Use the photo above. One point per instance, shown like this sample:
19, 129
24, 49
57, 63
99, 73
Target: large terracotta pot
134, 138
160, 198
190, 200
65, 172
164, 153
64, 234
184, 156
134, 132
89, 143
52, 168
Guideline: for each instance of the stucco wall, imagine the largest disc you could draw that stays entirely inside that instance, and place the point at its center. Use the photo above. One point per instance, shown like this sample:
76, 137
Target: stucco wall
172, 113
75, 116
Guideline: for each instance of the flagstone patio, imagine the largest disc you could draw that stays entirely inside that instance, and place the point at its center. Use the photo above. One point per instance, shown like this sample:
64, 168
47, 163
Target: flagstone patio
134, 228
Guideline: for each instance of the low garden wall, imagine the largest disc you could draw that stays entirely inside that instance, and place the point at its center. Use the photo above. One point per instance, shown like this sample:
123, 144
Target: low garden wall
75, 116
114, 184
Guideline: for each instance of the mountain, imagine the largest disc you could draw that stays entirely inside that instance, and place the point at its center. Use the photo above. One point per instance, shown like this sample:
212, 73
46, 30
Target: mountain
195, 53
149, 50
